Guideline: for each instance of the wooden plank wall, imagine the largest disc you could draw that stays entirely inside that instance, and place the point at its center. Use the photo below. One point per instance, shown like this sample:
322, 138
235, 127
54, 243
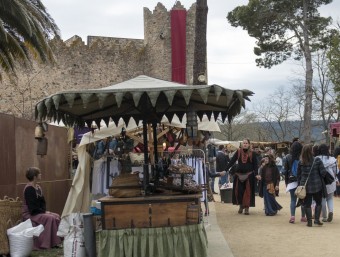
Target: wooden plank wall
18, 152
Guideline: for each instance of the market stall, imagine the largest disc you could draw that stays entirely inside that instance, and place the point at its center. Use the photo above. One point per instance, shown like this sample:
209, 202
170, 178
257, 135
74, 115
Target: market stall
146, 99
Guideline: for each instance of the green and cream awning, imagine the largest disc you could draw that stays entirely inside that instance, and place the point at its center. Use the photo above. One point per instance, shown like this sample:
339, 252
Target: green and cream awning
142, 98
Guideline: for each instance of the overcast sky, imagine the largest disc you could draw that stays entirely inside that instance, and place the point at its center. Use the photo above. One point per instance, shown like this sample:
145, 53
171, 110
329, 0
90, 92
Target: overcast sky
231, 62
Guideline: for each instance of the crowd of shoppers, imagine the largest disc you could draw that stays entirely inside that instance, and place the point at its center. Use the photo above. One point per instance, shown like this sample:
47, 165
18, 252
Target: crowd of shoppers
259, 172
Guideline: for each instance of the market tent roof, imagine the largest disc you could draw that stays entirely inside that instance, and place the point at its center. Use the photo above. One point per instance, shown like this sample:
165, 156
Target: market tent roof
232, 145
142, 98
113, 130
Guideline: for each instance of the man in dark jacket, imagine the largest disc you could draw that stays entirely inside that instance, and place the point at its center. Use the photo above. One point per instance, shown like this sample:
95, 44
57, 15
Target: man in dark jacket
222, 160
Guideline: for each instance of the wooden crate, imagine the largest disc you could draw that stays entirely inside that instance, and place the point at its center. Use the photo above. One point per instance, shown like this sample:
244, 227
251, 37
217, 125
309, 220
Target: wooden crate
126, 216
146, 212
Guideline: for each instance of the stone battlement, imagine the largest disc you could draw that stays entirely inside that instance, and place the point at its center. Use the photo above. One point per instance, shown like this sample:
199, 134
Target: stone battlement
101, 61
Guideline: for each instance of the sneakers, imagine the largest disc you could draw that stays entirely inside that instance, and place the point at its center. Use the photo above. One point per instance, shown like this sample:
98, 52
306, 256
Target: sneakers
292, 220
303, 219
324, 219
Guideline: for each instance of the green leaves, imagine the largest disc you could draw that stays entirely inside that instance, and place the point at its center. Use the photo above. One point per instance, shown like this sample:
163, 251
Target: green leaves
25, 28
281, 27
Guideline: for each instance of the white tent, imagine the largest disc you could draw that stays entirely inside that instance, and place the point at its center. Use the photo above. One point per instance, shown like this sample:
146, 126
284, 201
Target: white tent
216, 141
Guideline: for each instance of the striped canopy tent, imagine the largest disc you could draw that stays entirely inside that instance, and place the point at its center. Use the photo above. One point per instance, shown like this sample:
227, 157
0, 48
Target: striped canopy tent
141, 98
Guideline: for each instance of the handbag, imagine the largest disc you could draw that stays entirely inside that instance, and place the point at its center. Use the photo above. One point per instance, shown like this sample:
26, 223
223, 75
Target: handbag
328, 178
300, 191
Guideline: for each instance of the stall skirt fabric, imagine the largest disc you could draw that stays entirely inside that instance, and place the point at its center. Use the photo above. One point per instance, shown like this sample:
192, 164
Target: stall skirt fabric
184, 241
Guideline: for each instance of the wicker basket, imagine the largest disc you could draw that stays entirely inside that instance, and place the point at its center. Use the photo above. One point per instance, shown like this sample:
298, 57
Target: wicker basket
4, 225
125, 192
125, 185
15, 211
126, 179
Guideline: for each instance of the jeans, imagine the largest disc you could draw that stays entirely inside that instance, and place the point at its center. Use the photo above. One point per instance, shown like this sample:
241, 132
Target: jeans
222, 180
293, 199
213, 171
329, 201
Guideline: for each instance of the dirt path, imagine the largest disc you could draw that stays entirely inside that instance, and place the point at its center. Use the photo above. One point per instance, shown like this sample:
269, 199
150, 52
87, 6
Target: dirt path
258, 235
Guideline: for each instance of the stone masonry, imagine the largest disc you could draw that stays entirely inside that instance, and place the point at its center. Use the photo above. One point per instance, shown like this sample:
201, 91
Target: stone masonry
103, 61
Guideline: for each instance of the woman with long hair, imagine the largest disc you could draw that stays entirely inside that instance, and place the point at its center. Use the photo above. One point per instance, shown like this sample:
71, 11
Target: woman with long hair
244, 177
290, 164
311, 168
269, 178
331, 166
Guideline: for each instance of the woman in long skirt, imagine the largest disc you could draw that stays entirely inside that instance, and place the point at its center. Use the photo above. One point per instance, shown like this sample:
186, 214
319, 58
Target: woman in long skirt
34, 208
269, 178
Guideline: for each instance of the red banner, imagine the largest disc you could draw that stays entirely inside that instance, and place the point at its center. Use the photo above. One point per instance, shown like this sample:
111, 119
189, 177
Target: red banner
178, 45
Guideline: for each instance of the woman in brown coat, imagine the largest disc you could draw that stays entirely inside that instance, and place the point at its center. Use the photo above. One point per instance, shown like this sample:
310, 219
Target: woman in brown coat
269, 178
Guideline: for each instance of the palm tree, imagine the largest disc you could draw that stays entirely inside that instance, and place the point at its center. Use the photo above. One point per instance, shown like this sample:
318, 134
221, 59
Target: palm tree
200, 54
25, 29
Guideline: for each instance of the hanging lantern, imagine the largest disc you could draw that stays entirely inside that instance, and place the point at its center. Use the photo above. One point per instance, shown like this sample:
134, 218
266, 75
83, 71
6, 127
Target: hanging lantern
42, 146
39, 131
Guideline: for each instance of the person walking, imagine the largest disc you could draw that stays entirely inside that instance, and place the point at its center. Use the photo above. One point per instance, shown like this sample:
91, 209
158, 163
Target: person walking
244, 177
312, 170
269, 180
331, 166
290, 163
222, 160
337, 157
278, 162
212, 164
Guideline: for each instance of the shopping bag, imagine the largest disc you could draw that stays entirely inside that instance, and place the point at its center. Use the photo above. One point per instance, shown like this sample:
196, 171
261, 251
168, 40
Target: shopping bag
21, 238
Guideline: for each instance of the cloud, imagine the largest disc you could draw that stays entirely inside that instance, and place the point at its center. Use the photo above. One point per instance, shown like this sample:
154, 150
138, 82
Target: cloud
230, 57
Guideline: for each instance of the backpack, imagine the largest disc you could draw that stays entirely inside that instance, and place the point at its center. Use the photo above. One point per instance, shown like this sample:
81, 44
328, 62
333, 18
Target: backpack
291, 168
332, 168
294, 168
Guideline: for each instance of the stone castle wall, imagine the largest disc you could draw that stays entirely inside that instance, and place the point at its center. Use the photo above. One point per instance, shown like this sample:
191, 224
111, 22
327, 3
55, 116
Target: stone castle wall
101, 62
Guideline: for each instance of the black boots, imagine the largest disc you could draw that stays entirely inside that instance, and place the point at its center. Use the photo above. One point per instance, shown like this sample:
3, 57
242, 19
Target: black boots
317, 215
309, 216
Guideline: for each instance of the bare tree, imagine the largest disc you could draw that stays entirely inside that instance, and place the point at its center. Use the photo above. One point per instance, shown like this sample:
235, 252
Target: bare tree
245, 125
17, 94
325, 107
279, 114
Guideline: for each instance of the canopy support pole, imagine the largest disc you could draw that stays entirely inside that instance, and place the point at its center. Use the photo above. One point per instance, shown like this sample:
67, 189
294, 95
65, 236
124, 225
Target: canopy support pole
146, 162
155, 149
